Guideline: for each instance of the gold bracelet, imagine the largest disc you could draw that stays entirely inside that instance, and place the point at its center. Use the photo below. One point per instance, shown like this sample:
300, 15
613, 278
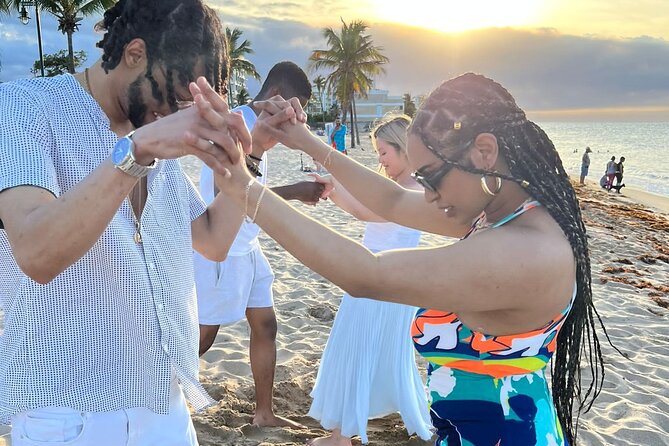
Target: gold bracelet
247, 189
255, 213
327, 161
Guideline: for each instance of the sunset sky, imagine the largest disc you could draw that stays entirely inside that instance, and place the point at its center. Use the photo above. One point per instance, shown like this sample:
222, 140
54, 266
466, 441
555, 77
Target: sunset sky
561, 59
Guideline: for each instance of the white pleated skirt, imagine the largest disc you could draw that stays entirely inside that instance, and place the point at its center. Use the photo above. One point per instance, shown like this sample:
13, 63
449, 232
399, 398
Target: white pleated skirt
368, 370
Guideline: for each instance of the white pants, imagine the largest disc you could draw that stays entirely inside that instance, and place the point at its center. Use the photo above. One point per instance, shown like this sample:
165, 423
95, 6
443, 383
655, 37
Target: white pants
60, 426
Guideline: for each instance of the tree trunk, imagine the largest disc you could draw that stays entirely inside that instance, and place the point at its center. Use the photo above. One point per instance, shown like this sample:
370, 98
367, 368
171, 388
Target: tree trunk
70, 49
320, 96
352, 127
355, 120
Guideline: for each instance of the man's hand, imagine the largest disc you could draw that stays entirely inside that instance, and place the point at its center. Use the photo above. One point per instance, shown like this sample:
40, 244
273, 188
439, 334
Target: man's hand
274, 112
282, 121
308, 192
224, 139
213, 126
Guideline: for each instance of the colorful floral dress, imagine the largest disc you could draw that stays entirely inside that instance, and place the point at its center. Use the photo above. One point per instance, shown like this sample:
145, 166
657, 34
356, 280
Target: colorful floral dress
489, 390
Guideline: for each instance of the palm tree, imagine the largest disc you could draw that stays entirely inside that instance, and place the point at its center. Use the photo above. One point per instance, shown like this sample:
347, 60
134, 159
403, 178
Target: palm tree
69, 14
319, 83
239, 65
242, 97
409, 106
354, 61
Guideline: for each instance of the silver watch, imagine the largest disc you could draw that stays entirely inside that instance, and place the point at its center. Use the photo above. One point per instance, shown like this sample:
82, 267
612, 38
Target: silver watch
123, 158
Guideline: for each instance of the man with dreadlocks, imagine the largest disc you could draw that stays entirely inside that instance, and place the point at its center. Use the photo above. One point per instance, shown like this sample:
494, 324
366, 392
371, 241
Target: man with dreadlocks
497, 306
101, 330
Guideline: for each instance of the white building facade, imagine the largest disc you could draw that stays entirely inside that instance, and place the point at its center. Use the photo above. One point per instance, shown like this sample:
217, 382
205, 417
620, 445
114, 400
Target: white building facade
376, 105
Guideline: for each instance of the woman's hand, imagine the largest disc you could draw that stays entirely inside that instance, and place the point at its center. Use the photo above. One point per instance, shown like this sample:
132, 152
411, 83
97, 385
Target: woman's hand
283, 121
170, 137
273, 113
327, 181
225, 137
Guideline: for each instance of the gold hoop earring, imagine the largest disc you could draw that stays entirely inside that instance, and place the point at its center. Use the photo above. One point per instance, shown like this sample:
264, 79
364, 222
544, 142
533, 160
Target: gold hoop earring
486, 189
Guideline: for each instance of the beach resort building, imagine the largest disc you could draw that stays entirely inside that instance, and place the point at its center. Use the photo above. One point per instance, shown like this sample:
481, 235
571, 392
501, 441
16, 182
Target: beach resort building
377, 104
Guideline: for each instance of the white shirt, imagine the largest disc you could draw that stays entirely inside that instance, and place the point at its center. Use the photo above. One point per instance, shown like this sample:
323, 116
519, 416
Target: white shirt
107, 332
610, 167
247, 237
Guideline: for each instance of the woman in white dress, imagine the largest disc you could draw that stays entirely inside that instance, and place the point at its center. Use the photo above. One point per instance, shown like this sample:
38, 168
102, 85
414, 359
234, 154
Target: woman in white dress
368, 369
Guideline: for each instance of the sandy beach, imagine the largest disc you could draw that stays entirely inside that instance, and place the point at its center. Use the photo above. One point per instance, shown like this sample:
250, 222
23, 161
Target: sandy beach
629, 244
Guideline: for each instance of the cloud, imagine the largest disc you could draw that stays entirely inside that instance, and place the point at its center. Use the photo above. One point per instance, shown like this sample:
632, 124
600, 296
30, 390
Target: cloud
18, 44
314, 12
543, 68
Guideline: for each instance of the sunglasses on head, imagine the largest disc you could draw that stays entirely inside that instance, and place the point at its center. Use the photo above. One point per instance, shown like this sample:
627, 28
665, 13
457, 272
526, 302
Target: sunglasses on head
431, 181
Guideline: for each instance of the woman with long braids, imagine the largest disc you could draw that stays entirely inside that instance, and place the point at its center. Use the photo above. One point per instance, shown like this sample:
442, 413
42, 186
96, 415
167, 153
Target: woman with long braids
496, 306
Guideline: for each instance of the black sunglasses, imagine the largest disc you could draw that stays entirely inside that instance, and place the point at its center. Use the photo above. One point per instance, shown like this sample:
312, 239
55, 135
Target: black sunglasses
431, 181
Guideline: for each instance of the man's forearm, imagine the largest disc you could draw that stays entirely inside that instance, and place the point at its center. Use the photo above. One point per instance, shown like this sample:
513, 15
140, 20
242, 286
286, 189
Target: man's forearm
56, 233
288, 192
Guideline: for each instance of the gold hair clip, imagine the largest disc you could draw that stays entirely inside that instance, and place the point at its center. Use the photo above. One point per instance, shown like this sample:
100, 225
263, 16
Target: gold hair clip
457, 125
524, 184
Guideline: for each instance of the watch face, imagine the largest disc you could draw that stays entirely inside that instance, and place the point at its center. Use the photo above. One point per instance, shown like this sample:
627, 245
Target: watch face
121, 150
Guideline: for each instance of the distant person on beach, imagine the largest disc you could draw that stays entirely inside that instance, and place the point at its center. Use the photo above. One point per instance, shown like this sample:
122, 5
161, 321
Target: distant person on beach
338, 137
100, 337
496, 307
610, 172
241, 285
368, 368
620, 171
603, 180
585, 164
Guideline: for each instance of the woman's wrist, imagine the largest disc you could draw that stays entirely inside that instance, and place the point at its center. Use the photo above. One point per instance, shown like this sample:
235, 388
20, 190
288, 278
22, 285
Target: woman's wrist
235, 186
323, 153
261, 189
314, 147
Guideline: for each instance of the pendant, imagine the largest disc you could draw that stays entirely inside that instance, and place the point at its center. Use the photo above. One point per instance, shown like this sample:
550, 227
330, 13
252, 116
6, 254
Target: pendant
138, 237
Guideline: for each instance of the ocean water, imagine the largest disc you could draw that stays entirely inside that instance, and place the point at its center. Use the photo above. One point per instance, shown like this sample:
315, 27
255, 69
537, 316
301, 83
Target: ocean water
645, 146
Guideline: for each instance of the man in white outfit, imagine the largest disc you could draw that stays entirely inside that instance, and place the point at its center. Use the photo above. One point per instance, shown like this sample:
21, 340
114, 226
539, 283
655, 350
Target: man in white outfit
97, 226
242, 284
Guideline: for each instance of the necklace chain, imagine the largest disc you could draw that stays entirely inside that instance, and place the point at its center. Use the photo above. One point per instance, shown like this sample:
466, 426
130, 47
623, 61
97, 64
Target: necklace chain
138, 218
88, 83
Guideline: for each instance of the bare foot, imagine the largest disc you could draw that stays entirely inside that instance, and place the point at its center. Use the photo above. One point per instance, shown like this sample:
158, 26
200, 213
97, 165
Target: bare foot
332, 440
275, 421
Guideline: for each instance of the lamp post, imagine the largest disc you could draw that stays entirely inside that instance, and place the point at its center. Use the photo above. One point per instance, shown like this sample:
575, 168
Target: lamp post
25, 18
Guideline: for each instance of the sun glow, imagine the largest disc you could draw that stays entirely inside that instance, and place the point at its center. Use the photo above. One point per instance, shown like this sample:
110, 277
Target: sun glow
458, 15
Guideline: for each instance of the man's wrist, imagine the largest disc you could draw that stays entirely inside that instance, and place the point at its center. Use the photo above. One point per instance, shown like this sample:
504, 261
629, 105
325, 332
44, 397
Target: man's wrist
142, 143
256, 150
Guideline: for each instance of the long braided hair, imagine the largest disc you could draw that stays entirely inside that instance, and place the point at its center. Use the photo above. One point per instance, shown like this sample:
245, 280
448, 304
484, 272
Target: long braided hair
178, 35
451, 117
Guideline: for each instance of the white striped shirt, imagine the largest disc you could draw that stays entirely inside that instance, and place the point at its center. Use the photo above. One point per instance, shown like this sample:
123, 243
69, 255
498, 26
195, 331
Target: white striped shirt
107, 333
